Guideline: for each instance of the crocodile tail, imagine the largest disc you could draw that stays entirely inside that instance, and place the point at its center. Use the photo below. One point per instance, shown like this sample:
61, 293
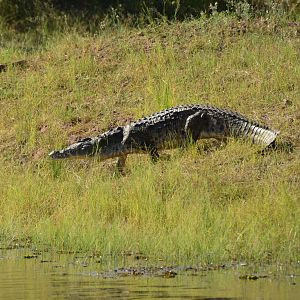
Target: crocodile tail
257, 133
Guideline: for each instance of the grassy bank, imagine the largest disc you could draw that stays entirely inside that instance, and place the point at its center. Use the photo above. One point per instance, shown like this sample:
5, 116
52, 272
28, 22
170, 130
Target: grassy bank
216, 205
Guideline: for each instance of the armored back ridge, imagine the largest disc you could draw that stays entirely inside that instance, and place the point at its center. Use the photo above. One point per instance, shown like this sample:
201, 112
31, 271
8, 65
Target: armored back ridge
167, 129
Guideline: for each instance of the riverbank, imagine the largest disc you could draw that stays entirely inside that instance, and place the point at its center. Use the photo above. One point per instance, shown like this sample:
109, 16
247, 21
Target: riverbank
217, 204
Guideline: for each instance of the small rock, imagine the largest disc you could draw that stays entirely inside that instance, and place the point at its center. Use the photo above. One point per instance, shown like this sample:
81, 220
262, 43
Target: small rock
287, 102
169, 274
30, 256
249, 277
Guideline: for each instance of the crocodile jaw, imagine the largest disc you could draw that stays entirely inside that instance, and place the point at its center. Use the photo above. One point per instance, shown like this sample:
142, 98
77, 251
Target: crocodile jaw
59, 154
80, 149
107, 145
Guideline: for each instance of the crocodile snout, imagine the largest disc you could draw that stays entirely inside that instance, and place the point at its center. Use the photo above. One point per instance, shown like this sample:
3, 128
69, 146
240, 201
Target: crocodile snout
58, 154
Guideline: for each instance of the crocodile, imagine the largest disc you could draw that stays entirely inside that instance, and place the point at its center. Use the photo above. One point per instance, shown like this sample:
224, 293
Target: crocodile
170, 128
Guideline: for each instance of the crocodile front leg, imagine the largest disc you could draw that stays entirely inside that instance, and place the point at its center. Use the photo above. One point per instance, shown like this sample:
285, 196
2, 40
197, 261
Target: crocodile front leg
121, 163
136, 141
153, 153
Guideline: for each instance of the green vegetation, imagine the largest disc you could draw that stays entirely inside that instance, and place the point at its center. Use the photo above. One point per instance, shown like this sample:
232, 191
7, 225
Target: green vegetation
54, 14
211, 204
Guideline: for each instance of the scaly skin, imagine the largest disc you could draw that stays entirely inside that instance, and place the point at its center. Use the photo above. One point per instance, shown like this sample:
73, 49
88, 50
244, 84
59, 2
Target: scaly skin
167, 129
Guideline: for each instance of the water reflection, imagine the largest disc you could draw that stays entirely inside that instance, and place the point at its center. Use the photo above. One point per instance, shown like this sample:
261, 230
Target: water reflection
66, 277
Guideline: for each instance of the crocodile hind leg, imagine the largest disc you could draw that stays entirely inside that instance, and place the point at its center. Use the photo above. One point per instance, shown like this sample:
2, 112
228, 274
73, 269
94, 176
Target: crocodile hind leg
204, 125
195, 125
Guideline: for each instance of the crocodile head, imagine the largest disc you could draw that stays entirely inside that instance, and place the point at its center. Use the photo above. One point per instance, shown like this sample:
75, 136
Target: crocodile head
82, 148
106, 145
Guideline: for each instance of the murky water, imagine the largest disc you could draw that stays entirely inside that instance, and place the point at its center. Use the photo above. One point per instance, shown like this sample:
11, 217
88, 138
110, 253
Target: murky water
30, 275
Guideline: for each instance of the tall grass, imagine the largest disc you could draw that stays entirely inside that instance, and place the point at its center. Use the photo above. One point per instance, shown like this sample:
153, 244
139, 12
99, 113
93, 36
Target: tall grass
50, 16
215, 207
212, 205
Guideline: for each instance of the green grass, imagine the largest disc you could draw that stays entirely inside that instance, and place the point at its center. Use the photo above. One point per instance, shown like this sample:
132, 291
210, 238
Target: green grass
213, 205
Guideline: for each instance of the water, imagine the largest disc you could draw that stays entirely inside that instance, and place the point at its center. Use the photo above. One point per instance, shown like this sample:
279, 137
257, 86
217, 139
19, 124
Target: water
45, 276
